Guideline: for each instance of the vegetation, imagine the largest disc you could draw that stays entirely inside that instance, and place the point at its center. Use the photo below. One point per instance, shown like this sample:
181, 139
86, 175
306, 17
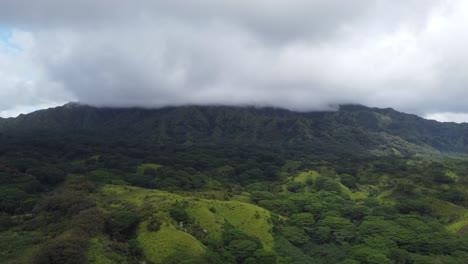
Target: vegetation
231, 185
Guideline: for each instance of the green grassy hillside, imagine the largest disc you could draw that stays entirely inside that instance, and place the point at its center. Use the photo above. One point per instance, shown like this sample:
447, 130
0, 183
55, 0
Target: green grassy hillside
211, 215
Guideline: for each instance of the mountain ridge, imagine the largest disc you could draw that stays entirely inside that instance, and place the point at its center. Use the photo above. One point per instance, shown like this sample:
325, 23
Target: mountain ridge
364, 129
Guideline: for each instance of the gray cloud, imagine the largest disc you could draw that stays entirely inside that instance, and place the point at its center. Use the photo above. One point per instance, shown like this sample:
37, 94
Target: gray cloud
303, 55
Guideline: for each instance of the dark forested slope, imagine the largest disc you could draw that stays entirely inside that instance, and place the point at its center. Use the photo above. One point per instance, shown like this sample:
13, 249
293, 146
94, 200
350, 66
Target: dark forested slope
353, 127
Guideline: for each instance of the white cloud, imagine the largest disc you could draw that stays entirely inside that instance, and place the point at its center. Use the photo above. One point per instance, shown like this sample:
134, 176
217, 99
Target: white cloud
304, 55
21, 109
22, 83
448, 117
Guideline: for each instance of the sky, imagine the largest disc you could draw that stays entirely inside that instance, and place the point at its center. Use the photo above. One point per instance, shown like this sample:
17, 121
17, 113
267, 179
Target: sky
302, 55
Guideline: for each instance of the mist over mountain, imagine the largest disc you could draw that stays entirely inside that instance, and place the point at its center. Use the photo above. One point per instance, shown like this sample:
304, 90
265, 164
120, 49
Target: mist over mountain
301, 55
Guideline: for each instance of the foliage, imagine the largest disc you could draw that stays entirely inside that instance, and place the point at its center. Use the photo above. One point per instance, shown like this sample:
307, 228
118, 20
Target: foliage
122, 222
69, 250
231, 185
179, 214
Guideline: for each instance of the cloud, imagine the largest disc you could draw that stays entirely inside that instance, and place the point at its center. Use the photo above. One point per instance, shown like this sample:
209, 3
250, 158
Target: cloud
448, 117
22, 83
302, 55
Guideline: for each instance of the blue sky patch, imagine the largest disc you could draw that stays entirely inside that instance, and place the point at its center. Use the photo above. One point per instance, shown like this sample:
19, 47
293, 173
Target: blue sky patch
5, 36
5, 33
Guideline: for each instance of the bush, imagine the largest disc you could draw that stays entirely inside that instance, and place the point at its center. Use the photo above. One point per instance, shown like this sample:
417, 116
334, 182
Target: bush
154, 224
179, 214
121, 223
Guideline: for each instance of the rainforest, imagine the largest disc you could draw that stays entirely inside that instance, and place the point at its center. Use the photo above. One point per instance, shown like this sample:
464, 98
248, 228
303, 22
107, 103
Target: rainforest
219, 184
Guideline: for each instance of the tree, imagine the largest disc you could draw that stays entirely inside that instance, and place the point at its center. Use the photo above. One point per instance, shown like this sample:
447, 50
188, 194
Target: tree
367, 255
341, 228
50, 175
256, 196
11, 199
242, 249
348, 180
179, 214
295, 235
304, 221
121, 223
70, 250
90, 222
66, 202
296, 186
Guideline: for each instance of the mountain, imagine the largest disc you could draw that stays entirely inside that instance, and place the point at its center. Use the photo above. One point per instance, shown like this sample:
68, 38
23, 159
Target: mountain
232, 185
353, 128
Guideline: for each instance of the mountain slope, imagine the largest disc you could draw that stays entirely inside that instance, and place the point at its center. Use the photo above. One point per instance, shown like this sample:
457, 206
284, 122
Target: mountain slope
356, 128
235, 185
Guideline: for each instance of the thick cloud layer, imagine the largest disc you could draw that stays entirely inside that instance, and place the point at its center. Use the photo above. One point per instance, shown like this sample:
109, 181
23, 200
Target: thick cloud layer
299, 54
